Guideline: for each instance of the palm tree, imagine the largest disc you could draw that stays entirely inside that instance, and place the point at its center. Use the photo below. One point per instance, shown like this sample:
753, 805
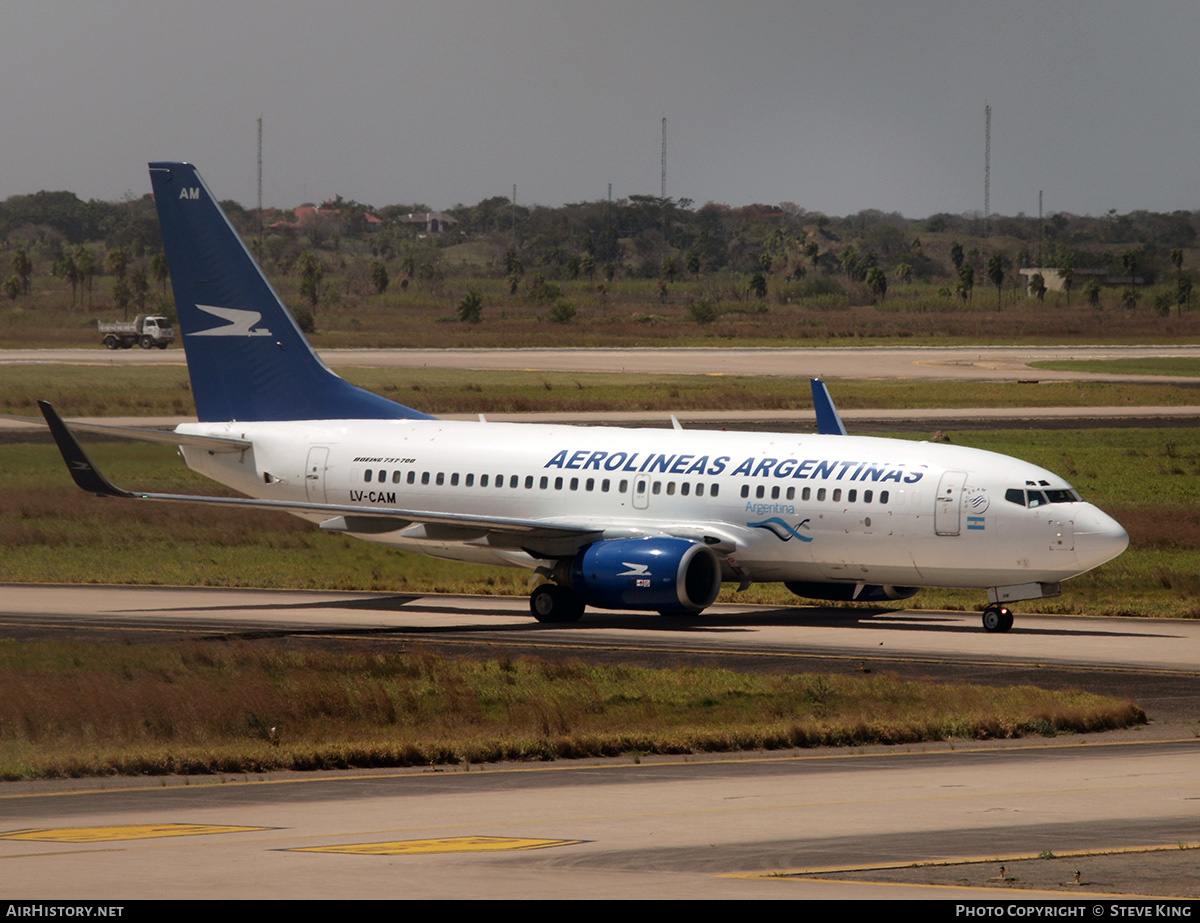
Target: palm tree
995, 271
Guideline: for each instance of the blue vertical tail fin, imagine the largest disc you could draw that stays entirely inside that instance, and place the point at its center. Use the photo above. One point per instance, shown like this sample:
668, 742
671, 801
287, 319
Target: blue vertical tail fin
829, 421
247, 358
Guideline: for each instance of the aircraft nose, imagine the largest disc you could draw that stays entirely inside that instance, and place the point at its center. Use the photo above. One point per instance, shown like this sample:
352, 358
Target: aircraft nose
1099, 538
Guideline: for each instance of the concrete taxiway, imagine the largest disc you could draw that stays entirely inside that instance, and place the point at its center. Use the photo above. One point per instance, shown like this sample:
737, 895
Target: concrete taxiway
143, 613
973, 363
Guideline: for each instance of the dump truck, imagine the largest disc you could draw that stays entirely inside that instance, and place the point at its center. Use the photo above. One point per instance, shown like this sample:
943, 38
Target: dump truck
145, 330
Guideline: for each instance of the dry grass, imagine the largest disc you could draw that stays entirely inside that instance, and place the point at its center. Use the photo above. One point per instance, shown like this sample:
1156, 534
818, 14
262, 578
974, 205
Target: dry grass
73, 709
632, 314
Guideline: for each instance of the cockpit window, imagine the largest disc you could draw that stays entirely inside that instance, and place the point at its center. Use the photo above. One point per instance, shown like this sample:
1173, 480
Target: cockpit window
1033, 498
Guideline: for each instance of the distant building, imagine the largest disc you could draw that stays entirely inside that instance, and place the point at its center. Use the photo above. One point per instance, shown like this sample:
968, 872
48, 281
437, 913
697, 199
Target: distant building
433, 222
1079, 278
308, 215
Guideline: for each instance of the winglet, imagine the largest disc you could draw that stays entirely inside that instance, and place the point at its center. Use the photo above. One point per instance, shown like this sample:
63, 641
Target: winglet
82, 468
828, 421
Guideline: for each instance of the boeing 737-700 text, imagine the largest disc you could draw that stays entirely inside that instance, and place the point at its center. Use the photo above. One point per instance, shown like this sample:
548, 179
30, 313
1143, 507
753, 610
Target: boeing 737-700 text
614, 518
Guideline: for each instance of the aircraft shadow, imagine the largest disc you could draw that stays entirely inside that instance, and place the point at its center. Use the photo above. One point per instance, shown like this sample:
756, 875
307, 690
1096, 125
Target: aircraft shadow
710, 622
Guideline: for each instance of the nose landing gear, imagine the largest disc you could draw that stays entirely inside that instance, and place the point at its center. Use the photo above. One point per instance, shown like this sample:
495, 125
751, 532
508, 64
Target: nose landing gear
997, 618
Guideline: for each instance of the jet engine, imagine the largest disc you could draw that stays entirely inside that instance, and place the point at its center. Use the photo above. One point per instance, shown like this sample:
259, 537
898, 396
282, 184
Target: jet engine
666, 574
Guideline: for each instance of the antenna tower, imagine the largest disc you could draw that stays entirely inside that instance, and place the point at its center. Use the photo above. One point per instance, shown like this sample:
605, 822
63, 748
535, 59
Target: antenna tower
664, 176
260, 221
987, 167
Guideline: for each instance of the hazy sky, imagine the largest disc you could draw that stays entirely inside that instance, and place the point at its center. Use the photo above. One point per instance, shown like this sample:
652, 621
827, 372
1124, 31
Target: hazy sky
837, 106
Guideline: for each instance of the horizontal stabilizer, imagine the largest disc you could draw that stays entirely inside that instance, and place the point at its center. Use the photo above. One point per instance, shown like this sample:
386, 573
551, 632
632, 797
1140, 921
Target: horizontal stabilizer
142, 434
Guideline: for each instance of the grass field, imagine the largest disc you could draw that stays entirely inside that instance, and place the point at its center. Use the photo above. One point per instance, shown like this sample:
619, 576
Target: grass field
78, 709
1179, 366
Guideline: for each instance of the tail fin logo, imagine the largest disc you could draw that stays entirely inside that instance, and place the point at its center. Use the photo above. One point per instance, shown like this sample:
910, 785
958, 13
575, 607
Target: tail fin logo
189, 192
240, 323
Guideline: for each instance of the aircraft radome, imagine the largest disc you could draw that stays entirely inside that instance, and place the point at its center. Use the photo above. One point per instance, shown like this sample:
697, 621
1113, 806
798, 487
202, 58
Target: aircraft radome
613, 518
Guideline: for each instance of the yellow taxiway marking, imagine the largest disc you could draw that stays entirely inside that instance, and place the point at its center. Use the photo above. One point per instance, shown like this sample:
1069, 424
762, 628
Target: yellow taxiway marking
442, 844
124, 832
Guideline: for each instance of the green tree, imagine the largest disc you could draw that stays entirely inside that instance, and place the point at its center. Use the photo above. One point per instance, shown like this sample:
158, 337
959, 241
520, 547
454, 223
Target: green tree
379, 276
758, 285
160, 270
848, 259
85, 263
956, 255
138, 287
1177, 261
903, 273
408, 264
117, 261
1066, 272
812, 253
995, 273
562, 311
470, 309
670, 268
1091, 291
12, 286
67, 269
1037, 286
1129, 263
22, 267
703, 311
542, 290
312, 273
877, 282
966, 280
122, 295
1183, 292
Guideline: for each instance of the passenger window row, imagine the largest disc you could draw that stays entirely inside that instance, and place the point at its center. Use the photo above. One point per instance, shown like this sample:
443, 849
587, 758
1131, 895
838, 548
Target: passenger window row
604, 485
852, 495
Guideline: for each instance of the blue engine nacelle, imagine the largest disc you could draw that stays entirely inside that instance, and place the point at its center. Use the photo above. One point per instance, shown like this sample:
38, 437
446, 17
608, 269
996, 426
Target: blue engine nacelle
851, 592
666, 574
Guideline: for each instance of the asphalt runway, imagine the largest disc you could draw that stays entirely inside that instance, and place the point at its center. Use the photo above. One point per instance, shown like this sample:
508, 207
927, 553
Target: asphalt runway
841, 823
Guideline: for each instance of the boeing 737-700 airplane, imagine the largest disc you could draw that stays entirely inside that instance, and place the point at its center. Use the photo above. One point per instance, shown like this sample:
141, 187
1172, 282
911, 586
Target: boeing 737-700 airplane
612, 518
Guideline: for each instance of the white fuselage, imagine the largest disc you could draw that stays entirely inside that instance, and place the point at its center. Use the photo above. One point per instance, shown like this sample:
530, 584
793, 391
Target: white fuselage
775, 507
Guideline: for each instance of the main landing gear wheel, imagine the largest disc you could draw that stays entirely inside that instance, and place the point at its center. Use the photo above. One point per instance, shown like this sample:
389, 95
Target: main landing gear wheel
997, 618
553, 603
